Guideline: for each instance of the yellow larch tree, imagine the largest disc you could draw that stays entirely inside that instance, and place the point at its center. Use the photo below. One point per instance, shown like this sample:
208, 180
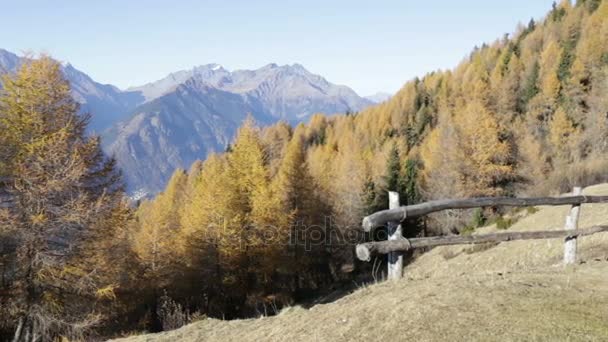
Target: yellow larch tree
439, 179
483, 159
562, 135
156, 239
65, 194
549, 62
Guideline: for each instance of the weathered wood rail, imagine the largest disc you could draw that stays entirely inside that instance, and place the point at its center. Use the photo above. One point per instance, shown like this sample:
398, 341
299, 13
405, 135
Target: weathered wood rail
365, 250
398, 244
381, 218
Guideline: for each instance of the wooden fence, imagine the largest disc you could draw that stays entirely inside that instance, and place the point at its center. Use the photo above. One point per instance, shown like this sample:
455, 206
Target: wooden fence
396, 215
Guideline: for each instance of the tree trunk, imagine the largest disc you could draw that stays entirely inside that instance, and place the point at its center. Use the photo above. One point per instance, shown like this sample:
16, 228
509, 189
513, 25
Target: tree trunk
17, 335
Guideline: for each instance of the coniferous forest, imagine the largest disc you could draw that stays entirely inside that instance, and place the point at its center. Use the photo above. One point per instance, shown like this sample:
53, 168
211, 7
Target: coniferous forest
272, 221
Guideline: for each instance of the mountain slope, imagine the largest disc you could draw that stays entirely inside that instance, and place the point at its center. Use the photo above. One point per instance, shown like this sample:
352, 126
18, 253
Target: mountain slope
288, 92
512, 291
379, 97
8, 61
175, 129
156, 89
167, 124
191, 113
106, 103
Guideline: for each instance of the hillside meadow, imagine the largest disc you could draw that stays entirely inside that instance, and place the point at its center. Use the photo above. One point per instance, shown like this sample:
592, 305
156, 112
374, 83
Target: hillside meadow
513, 291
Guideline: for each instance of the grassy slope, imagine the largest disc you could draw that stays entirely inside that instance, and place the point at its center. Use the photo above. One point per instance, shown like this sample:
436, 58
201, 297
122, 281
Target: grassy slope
509, 292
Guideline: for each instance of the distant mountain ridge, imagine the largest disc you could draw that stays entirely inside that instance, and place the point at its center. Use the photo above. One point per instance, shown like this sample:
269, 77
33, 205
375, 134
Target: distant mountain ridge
289, 92
155, 128
191, 113
107, 103
379, 97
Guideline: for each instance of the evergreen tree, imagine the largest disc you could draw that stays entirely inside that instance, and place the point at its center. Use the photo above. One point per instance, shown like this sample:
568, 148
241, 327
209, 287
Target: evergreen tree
393, 179
410, 189
531, 25
530, 86
572, 34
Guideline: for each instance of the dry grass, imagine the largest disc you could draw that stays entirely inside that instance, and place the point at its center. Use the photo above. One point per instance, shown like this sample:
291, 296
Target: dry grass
510, 292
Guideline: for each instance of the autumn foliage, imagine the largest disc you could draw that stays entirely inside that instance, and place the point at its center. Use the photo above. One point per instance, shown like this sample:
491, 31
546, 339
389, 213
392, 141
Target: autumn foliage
272, 221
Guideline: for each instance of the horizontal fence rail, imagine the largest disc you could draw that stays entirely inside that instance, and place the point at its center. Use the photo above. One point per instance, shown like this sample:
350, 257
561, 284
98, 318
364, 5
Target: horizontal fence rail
365, 250
381, 218
397, 245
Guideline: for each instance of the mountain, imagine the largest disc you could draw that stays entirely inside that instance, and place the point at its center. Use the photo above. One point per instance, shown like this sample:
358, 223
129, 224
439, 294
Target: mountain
288, 92
191, 113
379, 97
176, 129
156, 89
8, 61
155, 128
107, 103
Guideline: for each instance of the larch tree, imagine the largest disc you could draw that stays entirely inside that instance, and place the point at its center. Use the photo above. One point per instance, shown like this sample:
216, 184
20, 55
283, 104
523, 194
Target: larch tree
483, 158
304, 211
550, 84
275, 139
211, 235
596, 121
349, 174
532, 158
156, 240
562, 135
507, 104
65, 193
439, 180
256, 205
439, 176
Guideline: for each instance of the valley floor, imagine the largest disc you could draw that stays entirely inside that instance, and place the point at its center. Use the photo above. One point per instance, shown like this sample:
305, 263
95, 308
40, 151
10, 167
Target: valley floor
508, 292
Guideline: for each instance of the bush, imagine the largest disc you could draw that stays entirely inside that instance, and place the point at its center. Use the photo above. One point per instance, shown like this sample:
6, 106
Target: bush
468, 230
504, 223
171, 314
478, 218
532, 210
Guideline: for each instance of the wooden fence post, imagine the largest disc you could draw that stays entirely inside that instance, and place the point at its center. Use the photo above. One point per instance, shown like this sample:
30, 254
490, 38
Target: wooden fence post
395, 232
572, 224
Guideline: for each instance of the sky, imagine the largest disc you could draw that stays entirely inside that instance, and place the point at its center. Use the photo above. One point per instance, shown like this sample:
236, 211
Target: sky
371, 46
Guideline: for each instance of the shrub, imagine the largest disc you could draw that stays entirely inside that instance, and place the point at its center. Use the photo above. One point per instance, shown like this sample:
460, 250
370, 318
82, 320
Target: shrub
171, 314
478, 218
468, 230
532, 210
504, 223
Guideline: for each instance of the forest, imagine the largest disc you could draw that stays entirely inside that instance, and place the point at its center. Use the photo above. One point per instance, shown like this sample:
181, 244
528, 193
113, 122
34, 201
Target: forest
272, 221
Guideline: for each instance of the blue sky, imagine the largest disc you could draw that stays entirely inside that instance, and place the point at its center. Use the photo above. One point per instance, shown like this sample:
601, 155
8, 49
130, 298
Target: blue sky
370, 45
